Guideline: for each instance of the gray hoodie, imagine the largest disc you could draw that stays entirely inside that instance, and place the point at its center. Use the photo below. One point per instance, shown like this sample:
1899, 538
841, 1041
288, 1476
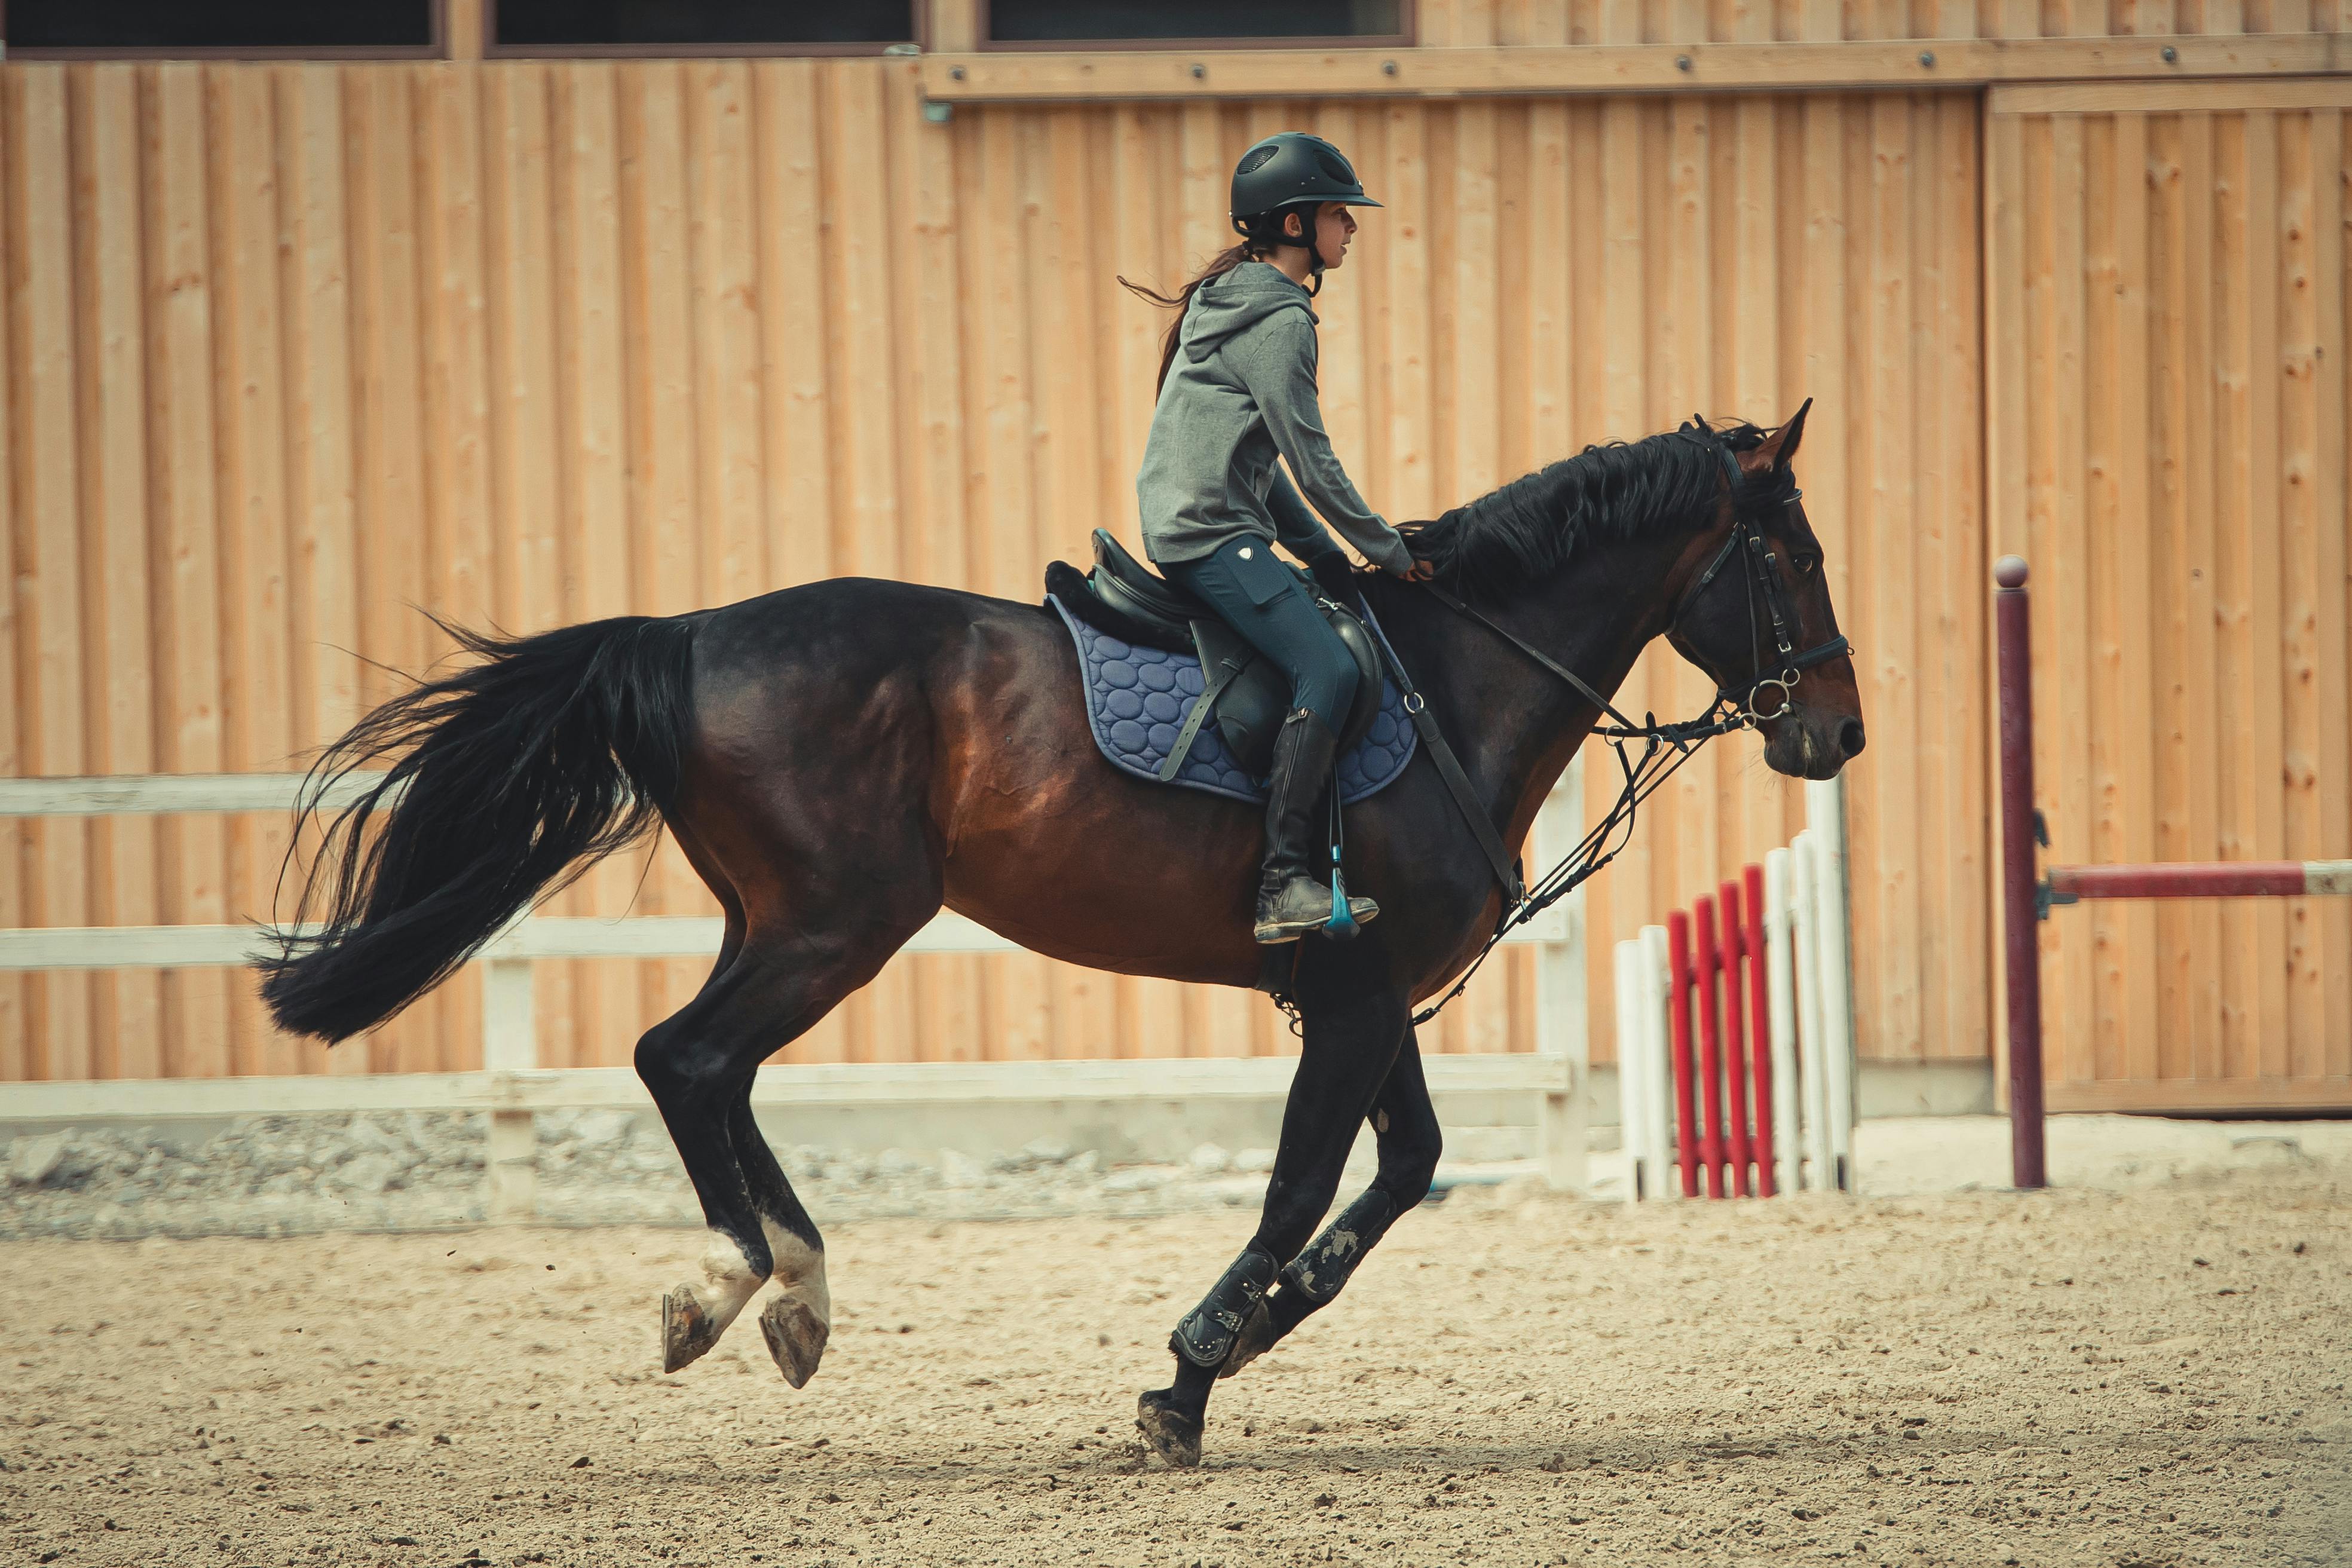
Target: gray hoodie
1242, 388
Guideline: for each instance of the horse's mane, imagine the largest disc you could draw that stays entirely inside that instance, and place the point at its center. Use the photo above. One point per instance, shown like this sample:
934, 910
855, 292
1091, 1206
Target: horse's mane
1529, 530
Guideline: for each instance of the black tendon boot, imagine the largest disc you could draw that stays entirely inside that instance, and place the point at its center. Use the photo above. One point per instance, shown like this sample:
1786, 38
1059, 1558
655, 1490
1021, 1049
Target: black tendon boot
1170, 1418
1313, 1278
1294, 891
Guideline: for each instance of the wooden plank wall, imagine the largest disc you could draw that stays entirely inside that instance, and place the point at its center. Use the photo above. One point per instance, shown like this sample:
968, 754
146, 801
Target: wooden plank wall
2170, 382
290, 349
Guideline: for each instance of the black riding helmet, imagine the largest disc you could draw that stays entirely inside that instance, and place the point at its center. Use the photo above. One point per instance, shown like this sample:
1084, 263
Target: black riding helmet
1291, 169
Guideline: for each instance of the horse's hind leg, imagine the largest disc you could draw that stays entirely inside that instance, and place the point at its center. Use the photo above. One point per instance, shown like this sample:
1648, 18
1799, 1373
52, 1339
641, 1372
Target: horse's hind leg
698, 1065
1406, 1126
1354, 1020
797, 1320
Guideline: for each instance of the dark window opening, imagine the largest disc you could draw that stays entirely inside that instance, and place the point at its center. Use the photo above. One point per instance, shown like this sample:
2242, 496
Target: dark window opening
1038, 21
528, 24
150, 24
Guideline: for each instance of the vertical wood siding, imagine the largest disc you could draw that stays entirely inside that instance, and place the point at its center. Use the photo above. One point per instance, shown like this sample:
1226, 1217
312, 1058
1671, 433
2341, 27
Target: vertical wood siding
290, 349
2169, 379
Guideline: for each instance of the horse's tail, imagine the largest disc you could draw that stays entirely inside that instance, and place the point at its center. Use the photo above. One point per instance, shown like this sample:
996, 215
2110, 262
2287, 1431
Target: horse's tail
512, 776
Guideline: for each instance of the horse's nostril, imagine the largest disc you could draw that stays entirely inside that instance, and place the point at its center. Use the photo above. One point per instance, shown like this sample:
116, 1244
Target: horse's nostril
1849, 737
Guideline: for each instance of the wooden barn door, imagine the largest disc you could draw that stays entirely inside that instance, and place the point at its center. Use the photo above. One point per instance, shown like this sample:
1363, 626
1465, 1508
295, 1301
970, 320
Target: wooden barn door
2166, 307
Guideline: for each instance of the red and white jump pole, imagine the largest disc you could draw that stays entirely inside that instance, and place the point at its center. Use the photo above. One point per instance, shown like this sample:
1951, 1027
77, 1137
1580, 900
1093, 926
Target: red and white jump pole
2220, 879
2026, 901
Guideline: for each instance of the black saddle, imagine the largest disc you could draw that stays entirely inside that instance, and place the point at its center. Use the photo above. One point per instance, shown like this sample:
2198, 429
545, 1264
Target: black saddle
1247, 694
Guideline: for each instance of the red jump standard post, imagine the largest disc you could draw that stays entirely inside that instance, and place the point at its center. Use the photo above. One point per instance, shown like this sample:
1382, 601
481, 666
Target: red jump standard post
2021, 912
1760, 1028
1705, 965
1735, 1060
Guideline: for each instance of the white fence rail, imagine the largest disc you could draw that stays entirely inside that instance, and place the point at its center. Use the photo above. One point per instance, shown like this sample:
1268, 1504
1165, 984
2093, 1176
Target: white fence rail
512, 1088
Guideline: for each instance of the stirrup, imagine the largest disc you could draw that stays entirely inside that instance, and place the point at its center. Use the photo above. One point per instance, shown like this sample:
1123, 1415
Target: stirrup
1325, 919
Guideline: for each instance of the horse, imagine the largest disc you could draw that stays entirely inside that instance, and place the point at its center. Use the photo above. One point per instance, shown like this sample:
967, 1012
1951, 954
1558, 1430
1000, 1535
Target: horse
840, 760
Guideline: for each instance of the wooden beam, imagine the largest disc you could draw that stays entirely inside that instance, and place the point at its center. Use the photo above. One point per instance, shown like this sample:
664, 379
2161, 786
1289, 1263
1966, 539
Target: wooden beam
128, 947
1538, 70
797, 1085
2174, 97
551, 936
2202, 1097
544, 936
107, 795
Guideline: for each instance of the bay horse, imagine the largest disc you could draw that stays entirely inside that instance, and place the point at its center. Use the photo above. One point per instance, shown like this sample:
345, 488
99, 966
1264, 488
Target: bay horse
840, 760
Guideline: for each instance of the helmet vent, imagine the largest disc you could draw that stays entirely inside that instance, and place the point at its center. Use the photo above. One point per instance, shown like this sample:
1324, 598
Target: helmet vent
1258, 158
1335, 166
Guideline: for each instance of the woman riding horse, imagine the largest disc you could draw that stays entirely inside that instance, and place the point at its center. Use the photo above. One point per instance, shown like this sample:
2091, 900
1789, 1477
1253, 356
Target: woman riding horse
841, 760
1237, 387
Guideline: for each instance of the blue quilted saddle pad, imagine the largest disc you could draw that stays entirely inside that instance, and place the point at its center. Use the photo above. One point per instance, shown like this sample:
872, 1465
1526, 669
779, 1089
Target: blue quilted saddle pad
1138, 698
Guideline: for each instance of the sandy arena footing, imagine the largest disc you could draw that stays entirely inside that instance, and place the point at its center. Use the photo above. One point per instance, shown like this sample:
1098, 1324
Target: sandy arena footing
2134, 1378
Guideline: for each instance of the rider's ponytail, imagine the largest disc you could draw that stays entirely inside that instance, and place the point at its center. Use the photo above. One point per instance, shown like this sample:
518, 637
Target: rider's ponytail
1262, 234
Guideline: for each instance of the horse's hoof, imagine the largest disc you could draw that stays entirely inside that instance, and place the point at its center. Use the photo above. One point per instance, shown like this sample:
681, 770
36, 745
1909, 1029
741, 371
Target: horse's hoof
687, 1330
1172, 1434
795, 1337
1256, 1337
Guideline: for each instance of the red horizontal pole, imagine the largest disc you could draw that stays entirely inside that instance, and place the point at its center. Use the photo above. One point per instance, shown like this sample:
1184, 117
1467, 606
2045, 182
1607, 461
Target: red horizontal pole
2204, 879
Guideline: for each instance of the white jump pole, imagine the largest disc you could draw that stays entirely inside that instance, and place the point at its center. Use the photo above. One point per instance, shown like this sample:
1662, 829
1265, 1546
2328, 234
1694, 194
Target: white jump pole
510, 1044
1825, 817
1658, 1090
1803, 898
1563, 1117
1781, 989
1632, 1071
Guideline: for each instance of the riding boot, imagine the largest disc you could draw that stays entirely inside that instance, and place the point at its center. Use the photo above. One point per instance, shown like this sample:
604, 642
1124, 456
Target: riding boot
1294, 893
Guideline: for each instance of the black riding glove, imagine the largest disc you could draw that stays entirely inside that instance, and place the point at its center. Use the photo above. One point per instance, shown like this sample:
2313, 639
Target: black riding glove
1337, 579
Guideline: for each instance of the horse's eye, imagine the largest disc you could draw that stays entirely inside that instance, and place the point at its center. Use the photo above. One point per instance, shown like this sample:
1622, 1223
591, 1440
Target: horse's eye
1806, 565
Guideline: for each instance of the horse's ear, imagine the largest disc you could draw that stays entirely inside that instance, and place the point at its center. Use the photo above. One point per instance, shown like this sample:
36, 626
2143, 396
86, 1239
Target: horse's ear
1779, 448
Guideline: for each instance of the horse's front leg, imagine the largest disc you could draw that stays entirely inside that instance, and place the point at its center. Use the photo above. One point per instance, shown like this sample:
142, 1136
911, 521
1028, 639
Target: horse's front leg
1406, 1126
1354, 1020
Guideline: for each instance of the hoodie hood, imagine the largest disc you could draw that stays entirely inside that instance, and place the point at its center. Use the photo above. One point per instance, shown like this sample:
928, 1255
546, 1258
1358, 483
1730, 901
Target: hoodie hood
1237, 302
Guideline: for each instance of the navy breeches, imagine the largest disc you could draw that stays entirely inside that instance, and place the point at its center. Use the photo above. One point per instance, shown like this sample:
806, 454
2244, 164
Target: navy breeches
1267, 603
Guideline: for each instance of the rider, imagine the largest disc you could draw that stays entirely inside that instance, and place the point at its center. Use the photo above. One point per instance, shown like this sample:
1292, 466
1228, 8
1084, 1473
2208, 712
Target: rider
1236, 387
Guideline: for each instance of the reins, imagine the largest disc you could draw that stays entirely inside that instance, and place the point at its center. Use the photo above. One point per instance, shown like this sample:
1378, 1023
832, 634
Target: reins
1666, 747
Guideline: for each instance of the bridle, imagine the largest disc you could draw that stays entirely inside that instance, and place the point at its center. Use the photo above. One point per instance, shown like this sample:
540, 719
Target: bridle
1747, 539
1666, 747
